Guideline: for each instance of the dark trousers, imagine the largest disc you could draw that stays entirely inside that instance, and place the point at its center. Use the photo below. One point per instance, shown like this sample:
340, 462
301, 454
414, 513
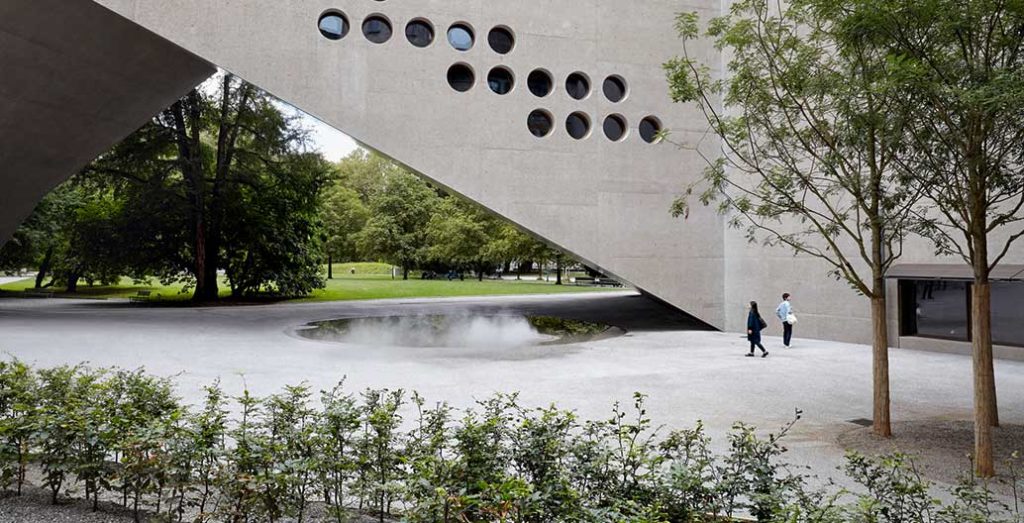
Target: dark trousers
787, 333
758, 345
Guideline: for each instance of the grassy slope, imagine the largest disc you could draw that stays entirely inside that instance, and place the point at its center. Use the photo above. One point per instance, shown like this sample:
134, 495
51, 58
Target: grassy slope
370, 281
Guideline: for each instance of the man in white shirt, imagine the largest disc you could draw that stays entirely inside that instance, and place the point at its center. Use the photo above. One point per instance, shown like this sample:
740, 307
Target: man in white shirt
783, 311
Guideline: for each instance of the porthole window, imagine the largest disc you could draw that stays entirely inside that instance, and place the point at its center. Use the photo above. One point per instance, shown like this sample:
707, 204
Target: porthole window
461, 37
615, 88
615, 127
420, 33
461, 77
500, 80
578, 125
501, 40
578, 86
333, 25
540, 83
540, 123
377, 29
650, 129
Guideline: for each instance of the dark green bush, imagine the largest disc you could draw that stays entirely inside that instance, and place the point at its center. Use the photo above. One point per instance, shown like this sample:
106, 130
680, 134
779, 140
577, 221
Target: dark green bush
124, 436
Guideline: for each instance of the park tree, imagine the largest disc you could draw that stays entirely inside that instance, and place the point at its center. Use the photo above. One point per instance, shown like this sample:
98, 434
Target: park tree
397, 229
462, 235
961, 65
811, 127
70, 235
345, 215
221, 180
367, 173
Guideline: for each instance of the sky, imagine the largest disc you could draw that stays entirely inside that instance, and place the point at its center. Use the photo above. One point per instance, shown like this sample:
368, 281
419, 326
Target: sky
333, 144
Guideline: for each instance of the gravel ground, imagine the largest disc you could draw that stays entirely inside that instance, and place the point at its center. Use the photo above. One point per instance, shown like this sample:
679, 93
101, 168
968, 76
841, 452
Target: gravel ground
34, 506
937, 447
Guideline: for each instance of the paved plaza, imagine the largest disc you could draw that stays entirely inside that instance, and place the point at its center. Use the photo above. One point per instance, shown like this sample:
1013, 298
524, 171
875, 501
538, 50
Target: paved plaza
690, 375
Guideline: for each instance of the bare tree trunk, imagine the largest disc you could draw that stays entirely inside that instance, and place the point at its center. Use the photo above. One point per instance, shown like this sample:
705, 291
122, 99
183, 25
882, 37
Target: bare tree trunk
882, 422
330, 267
985, 407
558, 269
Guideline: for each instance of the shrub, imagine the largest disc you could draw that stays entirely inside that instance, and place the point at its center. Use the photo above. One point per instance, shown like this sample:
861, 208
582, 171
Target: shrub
120, 432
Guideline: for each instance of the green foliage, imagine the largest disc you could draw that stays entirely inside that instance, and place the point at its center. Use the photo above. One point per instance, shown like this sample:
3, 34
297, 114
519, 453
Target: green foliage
396, 230
118, 432
812, 124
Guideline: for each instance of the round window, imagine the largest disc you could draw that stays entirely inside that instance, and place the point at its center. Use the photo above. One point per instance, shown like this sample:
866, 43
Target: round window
540, 123
333, 25
420, 33
578, 125
501, 40
615, 127
650, 129
578, 86
461, 37
461, 77
377, 29
500, 80
615, 89
540, 83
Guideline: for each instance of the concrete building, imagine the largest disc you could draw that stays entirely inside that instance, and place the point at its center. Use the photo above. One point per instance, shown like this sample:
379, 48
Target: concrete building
547, 112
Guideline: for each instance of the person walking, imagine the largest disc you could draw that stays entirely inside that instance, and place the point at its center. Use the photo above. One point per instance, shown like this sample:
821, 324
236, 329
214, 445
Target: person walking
755, 324
785, 313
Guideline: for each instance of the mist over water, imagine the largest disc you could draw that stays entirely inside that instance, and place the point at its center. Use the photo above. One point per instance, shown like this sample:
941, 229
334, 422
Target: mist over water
431, 331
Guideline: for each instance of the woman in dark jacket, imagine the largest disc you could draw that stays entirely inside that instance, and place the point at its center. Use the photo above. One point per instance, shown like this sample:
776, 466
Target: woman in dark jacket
754, 327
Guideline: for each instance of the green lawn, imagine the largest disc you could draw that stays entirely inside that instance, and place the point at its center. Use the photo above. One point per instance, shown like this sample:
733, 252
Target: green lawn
370, 281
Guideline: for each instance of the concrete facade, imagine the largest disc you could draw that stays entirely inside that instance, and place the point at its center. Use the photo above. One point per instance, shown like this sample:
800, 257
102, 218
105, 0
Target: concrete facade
605, 202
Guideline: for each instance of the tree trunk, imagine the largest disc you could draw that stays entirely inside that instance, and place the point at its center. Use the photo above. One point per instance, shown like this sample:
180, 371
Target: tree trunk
558, 269
199, 257
985, 406
44, 267
73, 278
882, 423
212, 252
405, 272
330, 267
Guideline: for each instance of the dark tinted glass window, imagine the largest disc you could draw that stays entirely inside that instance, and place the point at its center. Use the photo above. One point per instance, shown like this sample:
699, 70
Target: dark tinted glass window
333, 26
941, 310
461, 37
500, 80
377, 29
578, 125
614, 89
420, 33
615, 127
461, 77
540, 83
578, 86
540, 123
501, 40
1008, 313
650, 128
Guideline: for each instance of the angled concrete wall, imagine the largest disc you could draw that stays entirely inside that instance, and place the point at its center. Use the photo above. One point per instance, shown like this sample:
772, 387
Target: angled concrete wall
74, 79
605, 202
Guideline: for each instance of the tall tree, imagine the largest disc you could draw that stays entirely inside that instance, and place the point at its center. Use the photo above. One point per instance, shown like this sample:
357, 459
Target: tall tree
399, 214
217, 159
462, 235
345, 215
811, 129
961, 63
